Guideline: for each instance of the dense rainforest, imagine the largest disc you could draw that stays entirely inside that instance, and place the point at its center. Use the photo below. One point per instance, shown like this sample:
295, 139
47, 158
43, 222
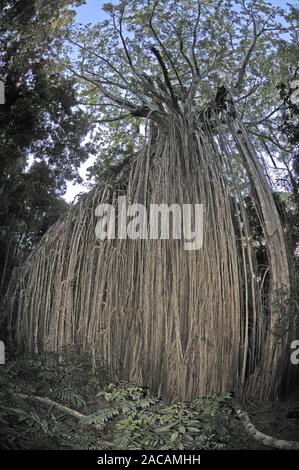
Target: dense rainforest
140, 342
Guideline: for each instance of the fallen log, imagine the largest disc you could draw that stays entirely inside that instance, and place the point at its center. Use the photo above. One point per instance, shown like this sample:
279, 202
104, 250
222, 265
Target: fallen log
49, 402
265, 439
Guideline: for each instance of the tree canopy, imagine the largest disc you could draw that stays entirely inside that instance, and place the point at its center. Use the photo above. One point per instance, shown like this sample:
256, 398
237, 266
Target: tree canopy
152, 56
41, 127
189, 101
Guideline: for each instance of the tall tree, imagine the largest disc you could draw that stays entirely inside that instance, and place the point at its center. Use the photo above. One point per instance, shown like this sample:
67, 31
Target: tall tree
247, 46
195, 84
41, 128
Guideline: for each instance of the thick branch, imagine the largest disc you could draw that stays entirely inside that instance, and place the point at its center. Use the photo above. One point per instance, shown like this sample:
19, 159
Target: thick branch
166, 77
119, 118
49, 402
120, 32
261, 121
249, 93
162, 45
246, 60
106, 61
271, 139
195, 35
121, 101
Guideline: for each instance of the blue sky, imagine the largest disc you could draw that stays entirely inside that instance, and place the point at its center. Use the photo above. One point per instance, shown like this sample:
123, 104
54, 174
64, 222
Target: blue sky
92, 12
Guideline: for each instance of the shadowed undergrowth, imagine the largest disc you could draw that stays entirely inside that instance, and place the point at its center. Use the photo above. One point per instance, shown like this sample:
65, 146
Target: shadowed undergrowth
118, 416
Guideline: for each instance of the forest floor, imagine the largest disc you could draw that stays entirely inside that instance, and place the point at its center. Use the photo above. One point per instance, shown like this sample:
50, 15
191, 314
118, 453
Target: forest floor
121, 416
279, 419
271, 419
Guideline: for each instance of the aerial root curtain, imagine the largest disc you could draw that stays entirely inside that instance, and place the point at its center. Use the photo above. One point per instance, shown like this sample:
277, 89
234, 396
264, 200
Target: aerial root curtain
185, 323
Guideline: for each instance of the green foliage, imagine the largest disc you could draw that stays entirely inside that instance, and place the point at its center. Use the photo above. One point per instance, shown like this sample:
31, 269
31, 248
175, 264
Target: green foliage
122, 416
102, 417
18, 419
248, 46
211, 406
41, 127
202, 424
125, 397
120, 400
289, 92
145, 424
67, 378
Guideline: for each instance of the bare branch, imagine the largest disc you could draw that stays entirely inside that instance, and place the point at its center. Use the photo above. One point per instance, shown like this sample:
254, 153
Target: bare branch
49, 402
119, 118
271, 139
195, 38
166, 77
261, 121
181, 42
249, 93
162, 45
242, 71
104, 59
121, 101
123, 41
191, 93
107, 81
252, 46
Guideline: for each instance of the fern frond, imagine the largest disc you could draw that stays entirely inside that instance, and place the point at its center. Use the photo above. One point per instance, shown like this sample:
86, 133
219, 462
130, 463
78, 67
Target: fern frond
101, 418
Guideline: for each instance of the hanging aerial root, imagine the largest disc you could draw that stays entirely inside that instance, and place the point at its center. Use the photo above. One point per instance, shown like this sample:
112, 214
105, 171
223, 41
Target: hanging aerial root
185, 323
